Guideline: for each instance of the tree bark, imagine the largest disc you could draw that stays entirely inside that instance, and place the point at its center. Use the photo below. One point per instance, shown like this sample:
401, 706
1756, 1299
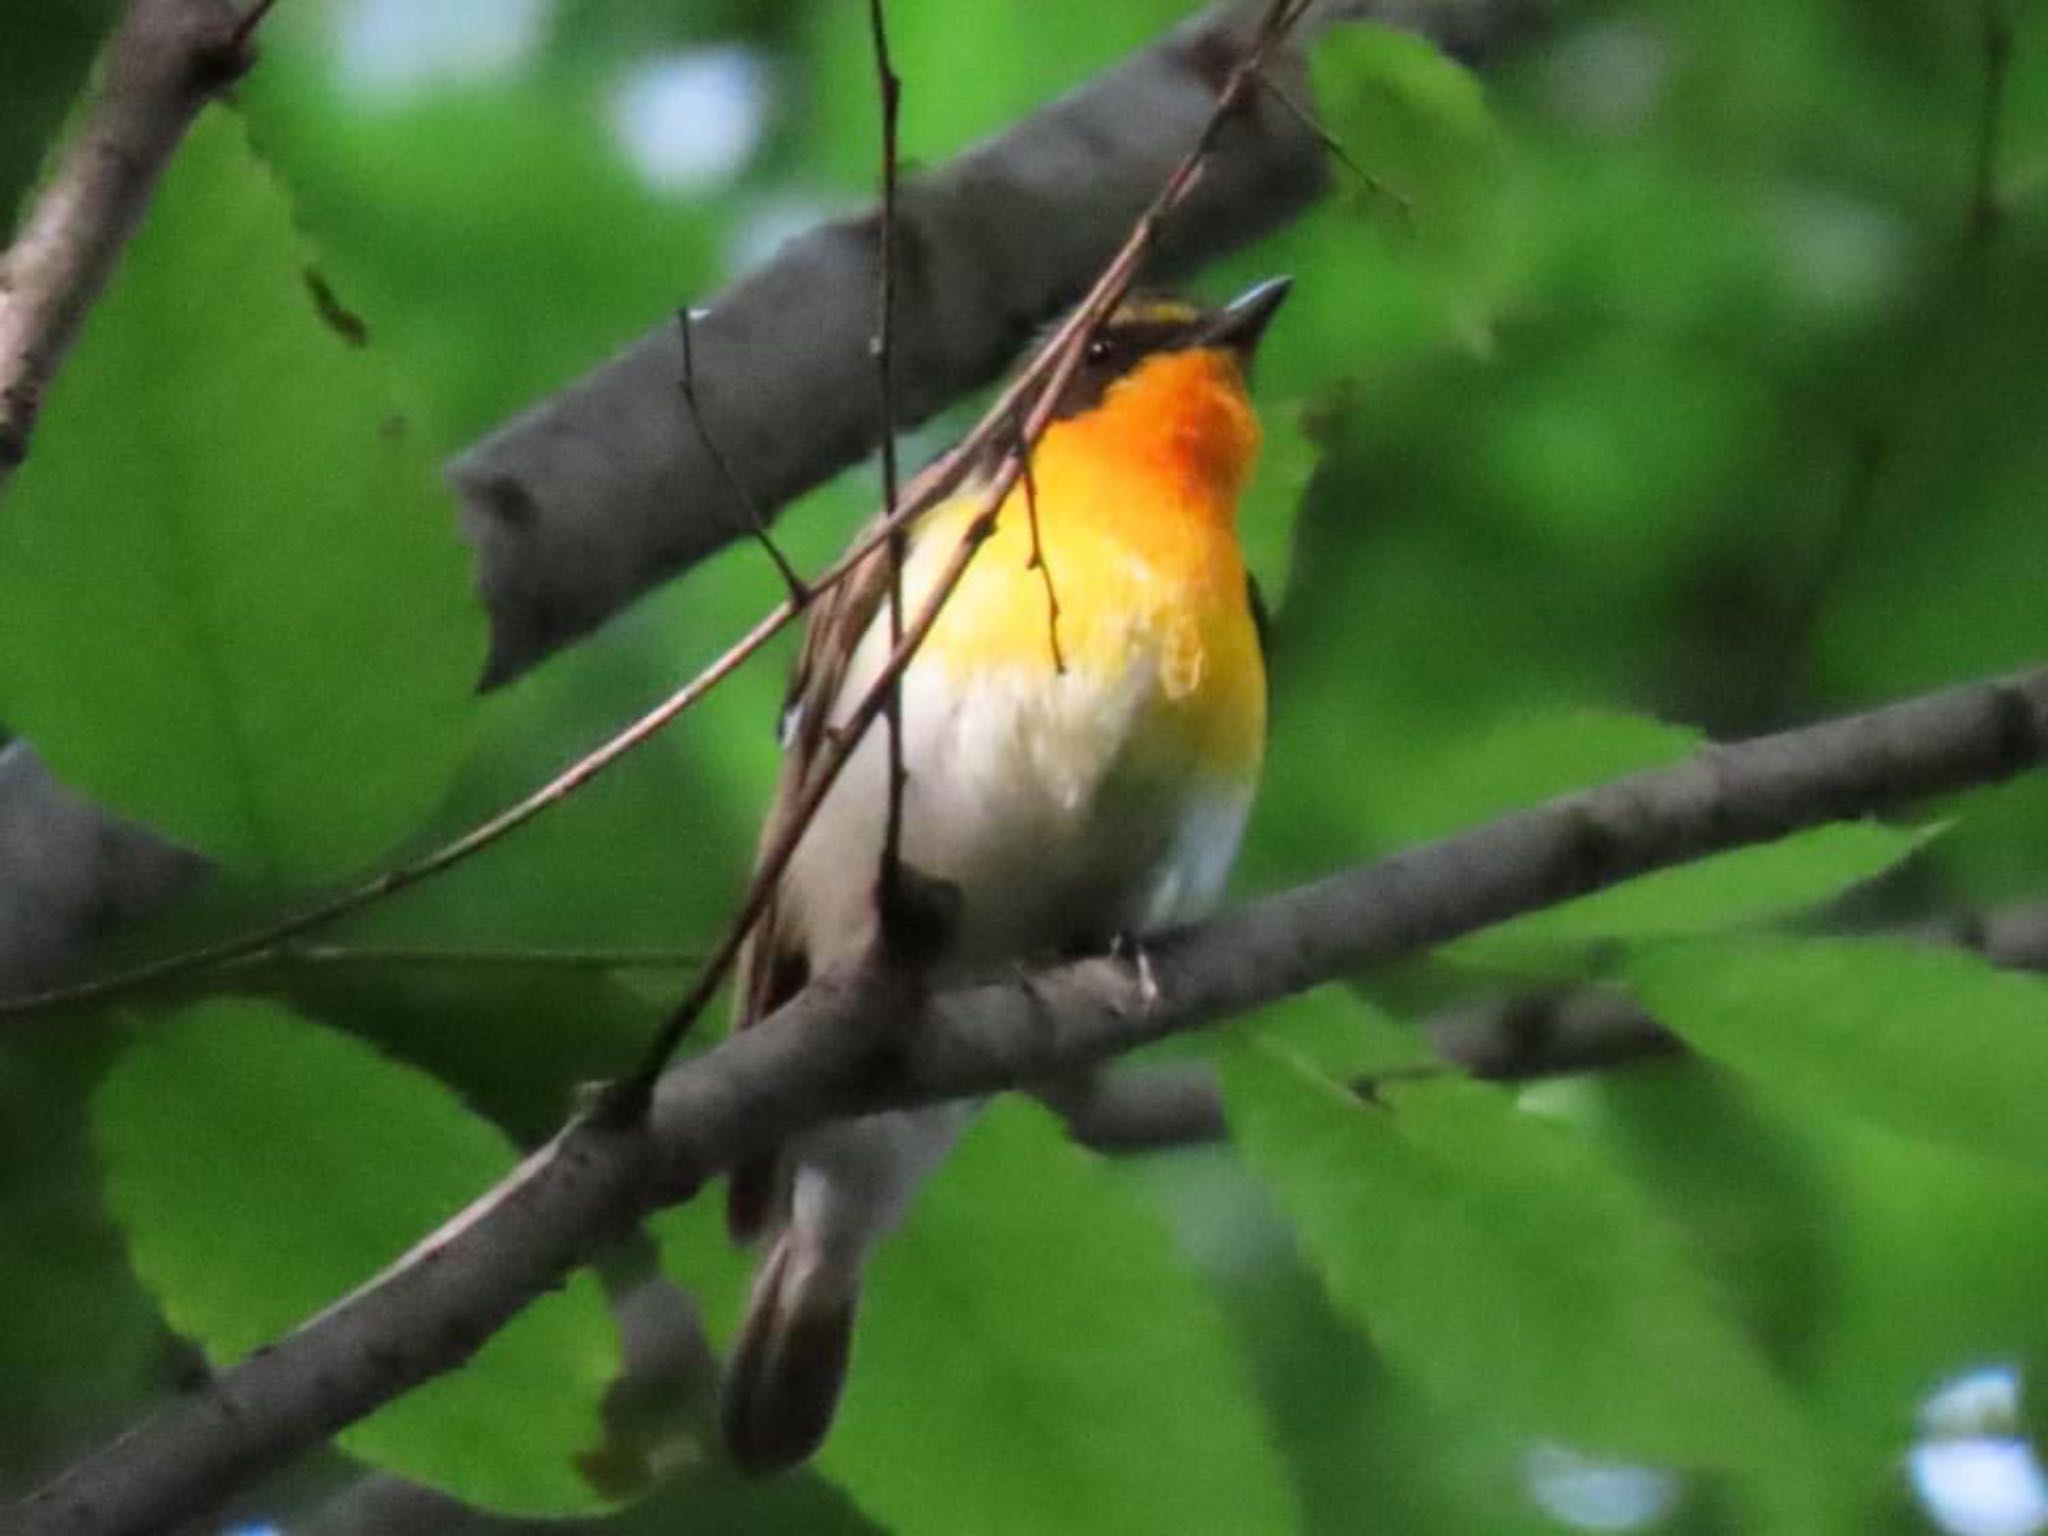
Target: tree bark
840, 1048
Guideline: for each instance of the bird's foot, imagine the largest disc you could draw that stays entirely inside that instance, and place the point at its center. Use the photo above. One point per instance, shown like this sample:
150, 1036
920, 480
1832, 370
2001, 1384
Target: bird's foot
1131, 947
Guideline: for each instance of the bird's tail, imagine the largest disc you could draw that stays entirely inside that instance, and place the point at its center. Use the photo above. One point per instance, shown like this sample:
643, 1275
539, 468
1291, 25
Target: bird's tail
783, 1380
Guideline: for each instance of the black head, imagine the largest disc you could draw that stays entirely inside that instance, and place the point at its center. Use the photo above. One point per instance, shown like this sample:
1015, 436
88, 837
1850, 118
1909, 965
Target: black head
1144, 325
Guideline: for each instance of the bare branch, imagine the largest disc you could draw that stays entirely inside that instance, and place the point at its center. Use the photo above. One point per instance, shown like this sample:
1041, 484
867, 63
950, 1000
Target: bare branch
889, 95
1873, 442
1334, 147
750, 509
1986, 209
838, 1049
262, 945
169, 58
1042, 381
1038, 561
585, 501
582, 503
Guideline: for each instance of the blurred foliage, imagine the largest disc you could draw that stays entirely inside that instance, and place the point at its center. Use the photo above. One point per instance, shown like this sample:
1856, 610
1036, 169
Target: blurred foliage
164, 649
1673, 373
988, 1413
359, 1158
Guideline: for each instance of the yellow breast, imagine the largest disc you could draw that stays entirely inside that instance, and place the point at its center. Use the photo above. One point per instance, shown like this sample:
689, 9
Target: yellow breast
1136, 505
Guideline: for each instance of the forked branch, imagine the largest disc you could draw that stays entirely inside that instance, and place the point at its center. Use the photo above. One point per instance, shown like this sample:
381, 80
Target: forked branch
825, 1055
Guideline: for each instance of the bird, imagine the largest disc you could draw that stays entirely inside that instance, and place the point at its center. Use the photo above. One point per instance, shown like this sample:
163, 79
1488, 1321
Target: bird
1082, 733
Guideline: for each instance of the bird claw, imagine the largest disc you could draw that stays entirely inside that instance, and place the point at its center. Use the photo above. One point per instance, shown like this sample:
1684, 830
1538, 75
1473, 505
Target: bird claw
1128, 946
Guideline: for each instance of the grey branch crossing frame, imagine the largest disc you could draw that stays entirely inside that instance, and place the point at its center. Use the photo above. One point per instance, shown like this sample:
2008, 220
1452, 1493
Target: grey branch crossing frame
598, 493
595, 495
840, 1047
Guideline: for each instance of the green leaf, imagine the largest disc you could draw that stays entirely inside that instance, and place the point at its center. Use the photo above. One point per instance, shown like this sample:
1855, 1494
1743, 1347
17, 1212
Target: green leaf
1341, 1036
1417, 125
263, 1167
1035, 1357
1509, 765
1032, 1356
972, 71
1520, 763
1728, 890
1501, 1263
1930, 1042
232, 599
1265, 523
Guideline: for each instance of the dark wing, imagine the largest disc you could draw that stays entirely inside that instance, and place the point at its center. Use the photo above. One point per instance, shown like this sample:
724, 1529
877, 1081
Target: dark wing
1262, 617
775, 964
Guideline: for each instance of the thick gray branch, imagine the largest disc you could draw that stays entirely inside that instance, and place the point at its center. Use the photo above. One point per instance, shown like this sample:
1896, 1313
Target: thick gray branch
600, 492
597, 493
839, 1047
1141, 1108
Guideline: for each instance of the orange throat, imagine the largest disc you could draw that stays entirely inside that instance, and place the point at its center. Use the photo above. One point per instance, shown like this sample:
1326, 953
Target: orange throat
1135, 505
1179, 420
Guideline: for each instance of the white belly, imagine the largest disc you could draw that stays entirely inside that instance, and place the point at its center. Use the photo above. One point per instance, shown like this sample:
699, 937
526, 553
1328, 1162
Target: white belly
1025, 794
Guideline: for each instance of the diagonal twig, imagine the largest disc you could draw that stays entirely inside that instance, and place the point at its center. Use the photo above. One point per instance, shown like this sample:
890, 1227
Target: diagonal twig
889, 98
816, 1059
1037, 561
1334, 147
1873, 442
750, 509
1046, 377
1040, 378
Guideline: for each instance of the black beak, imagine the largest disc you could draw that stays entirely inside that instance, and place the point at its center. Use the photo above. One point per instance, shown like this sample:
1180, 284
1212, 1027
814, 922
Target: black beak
1244, 320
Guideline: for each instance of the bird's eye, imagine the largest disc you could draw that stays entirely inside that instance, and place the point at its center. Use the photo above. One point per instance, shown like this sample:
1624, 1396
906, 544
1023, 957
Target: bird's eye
1100, 350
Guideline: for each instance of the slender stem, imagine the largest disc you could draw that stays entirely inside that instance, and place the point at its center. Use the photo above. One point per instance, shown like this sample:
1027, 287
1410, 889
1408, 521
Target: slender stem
693, 406
351, 956
1871, 448
889, 93
262, 944
1049, 372
1985, 206
245, 29
1046, 373
1037, 562
1334, 146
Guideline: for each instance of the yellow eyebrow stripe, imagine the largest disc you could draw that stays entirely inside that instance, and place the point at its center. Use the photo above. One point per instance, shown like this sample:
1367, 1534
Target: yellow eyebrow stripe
1154, 312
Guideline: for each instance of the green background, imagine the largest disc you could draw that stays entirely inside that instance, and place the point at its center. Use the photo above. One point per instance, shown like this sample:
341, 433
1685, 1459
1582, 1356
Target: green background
1685, 367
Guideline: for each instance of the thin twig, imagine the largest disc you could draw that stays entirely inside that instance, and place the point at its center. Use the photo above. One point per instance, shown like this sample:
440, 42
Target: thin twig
815, 1060
1037, 560
1986, 208
1050, 372
350, 956
757, 525
262, 944
245, 29
1873, 443
1373, 183
889, 96
1056, 358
